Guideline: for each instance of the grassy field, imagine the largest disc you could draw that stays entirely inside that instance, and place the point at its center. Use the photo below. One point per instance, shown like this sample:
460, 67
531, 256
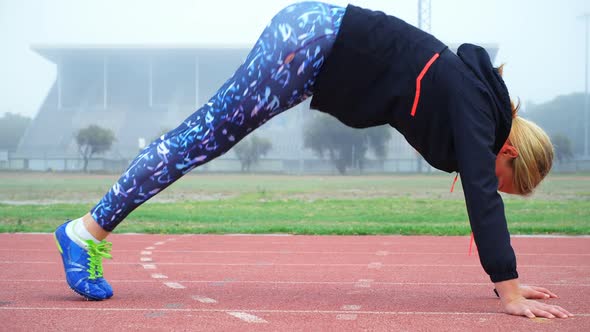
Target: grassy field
205, 203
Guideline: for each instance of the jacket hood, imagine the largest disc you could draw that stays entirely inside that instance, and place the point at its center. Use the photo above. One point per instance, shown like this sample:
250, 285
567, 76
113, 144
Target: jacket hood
477, 59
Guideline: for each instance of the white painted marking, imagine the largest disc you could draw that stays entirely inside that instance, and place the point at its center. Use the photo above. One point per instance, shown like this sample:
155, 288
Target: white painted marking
247, 317
174, 285
542, 236
312, 264
375, 265
149, 266
257, 235
393, 237
159, 243
300, 282
159, 276
145, 259
351, 307
27, 203
145, 252
382, 253
346, 316
363, 283
270, 311
203, 299
318, 252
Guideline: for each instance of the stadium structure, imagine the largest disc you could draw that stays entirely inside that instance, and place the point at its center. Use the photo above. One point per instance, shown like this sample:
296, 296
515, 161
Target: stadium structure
140, 91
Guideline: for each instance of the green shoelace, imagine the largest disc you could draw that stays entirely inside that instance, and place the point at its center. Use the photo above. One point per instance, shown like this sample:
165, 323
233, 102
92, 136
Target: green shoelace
96, 252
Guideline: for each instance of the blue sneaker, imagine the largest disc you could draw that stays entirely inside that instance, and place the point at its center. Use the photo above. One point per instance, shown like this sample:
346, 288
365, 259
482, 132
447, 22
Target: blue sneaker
83, 268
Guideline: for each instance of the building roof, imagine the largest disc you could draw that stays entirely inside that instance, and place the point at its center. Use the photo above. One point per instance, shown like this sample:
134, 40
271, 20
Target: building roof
53, 52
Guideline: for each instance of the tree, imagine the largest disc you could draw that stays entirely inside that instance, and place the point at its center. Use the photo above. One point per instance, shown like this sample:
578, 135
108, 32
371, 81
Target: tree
12, 128
250, 150
563, 115
563, 147
93, 140
345, 146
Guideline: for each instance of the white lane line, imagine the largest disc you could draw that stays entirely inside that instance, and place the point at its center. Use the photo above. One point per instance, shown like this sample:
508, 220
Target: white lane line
311, 264
159, 276
256, 235
382, 253
346, 316
203, 299
375, 265
270, 311
174, 285
351, 307
247, 317
363, 283
292, 252
159, 243
145, 259
145, 252
299, 282
394, 238
149, 266
549, 236
339, 265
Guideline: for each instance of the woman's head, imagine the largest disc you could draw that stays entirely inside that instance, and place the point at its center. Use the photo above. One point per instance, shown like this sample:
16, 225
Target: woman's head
526, 157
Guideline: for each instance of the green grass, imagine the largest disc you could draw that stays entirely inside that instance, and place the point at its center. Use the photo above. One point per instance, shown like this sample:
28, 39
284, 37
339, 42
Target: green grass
289, 204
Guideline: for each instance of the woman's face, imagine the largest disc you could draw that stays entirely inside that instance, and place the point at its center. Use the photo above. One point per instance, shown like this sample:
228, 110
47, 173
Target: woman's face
504, 169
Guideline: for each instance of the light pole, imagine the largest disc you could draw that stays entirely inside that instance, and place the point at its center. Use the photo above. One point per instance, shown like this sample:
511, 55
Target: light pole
586, 18
424, 15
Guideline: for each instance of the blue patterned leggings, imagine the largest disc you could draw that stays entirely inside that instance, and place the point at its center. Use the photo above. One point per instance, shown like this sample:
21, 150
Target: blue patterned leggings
278, 74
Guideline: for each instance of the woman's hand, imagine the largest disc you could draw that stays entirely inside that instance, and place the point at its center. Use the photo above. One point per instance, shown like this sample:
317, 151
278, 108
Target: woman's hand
538, 293
515, 303
531, 309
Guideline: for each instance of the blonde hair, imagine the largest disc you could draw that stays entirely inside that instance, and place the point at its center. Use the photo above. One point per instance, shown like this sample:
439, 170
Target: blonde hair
535, 151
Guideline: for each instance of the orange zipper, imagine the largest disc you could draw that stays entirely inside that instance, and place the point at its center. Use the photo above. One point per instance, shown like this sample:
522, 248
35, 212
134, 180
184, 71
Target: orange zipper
419, 79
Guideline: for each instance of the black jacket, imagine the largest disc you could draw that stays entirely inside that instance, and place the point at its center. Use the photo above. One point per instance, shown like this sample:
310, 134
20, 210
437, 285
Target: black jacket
462, 115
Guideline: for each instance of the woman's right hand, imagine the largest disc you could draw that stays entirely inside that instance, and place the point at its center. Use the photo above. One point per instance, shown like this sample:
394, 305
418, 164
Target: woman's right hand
531, 309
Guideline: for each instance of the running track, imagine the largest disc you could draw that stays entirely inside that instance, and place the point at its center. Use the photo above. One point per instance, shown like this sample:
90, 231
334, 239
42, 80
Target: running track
289, 283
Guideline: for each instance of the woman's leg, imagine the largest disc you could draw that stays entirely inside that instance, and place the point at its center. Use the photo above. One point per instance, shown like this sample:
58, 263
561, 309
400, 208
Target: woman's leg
278, 74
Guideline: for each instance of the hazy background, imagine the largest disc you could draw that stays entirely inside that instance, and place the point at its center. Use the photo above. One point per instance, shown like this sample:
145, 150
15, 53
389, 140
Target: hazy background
542, 42
291, 189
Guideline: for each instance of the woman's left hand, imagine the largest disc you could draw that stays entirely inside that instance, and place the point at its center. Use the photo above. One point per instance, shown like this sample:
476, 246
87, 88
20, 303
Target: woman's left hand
537, 293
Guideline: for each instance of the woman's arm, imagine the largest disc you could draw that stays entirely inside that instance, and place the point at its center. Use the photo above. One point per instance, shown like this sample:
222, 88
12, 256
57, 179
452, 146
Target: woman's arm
474, 126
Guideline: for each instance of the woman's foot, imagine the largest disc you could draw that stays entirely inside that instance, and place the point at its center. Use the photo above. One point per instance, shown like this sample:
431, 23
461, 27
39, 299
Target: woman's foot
83, 267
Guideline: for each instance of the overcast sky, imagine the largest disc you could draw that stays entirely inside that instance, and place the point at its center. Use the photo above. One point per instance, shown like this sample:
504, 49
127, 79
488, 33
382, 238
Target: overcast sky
542, 41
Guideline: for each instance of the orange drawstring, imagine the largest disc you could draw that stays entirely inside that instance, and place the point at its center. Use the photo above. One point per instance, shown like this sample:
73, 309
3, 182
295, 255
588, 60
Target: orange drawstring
454, 181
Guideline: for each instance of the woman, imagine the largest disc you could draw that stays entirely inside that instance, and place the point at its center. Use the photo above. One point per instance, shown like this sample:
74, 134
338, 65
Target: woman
366, 69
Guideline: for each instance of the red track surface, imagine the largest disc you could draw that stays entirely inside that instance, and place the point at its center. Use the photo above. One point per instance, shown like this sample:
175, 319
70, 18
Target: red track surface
287, 283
